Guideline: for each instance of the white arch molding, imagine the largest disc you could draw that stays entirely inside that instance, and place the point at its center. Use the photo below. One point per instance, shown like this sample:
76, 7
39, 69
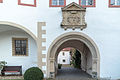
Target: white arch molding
20, 27
37, 39
73, 36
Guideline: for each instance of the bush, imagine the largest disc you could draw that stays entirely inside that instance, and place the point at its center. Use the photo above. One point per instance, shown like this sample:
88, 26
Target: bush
33, 73
2, 64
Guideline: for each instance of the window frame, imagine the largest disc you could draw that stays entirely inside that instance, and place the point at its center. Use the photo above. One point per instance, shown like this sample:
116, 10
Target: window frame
50, 4
94, 4
63, 54
14, 48
25, 4
1, 1
113, 5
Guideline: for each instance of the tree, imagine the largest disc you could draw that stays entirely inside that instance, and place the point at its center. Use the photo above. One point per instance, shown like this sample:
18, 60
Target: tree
76, 59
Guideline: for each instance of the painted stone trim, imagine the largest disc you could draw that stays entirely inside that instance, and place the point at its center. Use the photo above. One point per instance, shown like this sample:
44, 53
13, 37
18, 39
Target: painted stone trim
73, 17
41, 48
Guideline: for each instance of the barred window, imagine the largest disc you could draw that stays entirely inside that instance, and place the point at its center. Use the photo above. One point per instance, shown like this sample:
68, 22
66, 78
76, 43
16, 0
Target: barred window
20, 46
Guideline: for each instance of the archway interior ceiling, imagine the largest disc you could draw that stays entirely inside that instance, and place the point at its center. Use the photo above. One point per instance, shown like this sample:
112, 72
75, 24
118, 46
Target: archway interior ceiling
4, 28
74, 44
9, 26
81, 39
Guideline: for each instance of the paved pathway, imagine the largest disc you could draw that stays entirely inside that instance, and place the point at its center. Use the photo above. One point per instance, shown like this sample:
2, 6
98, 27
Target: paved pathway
70, 73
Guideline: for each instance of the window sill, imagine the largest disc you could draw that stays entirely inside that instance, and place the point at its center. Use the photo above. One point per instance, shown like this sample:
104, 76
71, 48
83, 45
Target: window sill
20, 55
88, 5
57, 5
114, 6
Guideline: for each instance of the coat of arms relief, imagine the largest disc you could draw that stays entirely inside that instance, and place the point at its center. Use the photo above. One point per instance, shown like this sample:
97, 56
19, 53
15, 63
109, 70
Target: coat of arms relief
73, 17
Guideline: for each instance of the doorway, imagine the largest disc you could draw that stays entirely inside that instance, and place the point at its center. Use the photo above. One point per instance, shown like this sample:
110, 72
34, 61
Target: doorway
90, 58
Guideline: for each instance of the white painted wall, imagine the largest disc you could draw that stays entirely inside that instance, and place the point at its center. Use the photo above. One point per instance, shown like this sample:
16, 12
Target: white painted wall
102, 26
6, 50
66, 57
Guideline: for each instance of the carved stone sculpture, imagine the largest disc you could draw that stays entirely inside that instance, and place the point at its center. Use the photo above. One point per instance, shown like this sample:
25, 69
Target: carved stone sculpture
73, 17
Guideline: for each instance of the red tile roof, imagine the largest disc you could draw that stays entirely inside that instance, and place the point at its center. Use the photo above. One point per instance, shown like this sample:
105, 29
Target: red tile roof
66, 49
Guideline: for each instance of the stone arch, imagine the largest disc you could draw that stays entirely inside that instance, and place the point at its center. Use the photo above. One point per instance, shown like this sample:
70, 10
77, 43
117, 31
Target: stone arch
73, 36
20, 27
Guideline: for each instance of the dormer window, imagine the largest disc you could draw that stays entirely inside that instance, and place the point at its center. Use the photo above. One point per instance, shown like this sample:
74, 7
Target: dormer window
57, 3
114, 3
87, 3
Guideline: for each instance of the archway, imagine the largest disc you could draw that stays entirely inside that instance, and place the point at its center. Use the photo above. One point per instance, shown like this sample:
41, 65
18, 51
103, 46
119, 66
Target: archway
73, 39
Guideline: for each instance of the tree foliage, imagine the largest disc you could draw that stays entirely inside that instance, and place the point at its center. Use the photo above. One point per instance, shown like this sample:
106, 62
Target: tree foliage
76, 59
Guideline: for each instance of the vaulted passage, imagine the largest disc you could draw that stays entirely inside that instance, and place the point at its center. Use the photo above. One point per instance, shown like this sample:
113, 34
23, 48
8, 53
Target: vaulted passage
85, 45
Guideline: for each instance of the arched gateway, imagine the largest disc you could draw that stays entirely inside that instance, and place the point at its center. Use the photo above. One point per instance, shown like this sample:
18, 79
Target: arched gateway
81, 42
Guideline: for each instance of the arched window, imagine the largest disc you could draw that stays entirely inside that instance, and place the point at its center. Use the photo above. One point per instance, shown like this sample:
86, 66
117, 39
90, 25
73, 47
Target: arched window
57, 3
87, 3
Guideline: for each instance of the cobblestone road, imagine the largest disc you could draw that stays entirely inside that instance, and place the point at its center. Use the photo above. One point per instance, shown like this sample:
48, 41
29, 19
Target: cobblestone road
70, 73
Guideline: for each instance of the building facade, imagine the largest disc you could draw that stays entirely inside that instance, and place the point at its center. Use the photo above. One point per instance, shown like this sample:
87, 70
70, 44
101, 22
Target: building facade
33, 32
64, 56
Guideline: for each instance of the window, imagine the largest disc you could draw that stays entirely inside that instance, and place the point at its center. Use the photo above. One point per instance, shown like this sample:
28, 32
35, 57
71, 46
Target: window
27, 4
114, 3
20, 46
1, 1
57, 3
63, 60
63, 53
87, 3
